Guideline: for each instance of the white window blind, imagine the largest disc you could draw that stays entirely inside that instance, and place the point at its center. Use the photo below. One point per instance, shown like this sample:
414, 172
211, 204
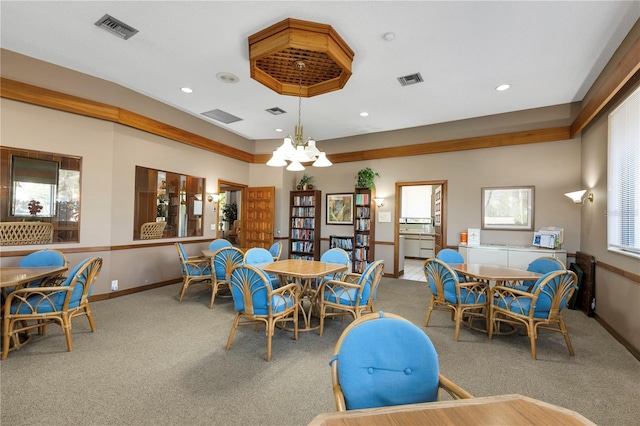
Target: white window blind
623, 205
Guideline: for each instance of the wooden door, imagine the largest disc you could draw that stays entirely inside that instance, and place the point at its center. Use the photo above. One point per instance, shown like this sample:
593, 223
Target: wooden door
259, 218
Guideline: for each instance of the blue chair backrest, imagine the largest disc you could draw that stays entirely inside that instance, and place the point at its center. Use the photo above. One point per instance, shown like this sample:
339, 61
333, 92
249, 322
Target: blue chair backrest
366, 282
219, 243
438, 270
82, 273
549, 292
335, 255
387, 361
542, 266
43, 258
257, 256
275, 249
249, 289
450, 256
224, 260
183, 255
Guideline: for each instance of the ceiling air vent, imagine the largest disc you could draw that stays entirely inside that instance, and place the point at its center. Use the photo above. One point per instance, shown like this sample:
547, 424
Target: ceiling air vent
276, 111
222, 116
116, 27
410, 79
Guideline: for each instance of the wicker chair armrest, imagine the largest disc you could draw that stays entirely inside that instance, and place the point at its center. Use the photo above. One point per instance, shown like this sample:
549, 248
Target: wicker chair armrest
504, 291
290, 289
351, 277
198, 262
337, 283
477, 286
21, 296
53, 281
452, 389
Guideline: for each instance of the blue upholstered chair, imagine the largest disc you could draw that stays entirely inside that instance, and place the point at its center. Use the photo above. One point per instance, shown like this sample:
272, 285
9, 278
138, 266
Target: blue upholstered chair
334, 255
276, 250
44, 305
256, 302
342, 297
221, 264
195, 269
218, 243
259, 256
450, 256
465, 300
46, 257
541, 265
382, 359
541, 308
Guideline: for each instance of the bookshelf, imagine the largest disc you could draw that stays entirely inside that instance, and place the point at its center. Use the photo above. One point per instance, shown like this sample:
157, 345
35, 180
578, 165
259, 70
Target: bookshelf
343, 242
304, 234
363, 229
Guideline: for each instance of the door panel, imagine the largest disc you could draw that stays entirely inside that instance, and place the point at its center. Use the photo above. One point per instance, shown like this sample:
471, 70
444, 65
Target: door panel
260, 217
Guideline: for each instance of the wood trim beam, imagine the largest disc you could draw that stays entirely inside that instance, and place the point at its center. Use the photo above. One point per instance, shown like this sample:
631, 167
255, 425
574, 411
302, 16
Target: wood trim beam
622, 73
35, 95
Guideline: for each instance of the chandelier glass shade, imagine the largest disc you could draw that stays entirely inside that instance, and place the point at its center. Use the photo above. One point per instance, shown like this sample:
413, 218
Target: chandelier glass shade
296, 150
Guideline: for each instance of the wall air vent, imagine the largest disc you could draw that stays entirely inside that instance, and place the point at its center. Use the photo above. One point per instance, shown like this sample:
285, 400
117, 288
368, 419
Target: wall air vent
116, 27
222, 116
276, 111
410, 79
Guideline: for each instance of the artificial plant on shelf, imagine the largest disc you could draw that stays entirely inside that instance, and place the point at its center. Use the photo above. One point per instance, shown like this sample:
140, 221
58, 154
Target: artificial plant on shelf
305, 182
365, 178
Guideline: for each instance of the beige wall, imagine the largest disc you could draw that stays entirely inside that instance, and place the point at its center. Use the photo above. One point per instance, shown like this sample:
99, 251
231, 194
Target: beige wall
110, 152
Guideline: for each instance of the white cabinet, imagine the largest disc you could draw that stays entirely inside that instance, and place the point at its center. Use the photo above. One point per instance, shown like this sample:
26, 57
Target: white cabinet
412, 246
427, 244
514, 257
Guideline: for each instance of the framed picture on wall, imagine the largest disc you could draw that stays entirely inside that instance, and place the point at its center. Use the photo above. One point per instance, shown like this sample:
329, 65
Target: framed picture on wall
340, 209
508, 208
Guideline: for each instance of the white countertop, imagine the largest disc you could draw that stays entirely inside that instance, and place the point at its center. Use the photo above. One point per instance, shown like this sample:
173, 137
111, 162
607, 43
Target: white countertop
510, 247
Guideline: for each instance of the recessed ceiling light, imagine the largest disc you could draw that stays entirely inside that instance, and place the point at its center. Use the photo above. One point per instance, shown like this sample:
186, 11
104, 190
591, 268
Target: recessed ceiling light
278, 130
364, 114
389, 36
503, 87
227, 77
186, 89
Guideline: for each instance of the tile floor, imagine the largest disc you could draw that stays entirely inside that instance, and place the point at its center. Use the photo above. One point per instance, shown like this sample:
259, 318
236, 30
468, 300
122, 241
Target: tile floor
413, 270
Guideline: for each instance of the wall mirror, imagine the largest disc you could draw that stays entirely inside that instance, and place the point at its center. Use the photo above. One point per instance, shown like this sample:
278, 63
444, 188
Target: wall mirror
40, 187
508, 208
167, 204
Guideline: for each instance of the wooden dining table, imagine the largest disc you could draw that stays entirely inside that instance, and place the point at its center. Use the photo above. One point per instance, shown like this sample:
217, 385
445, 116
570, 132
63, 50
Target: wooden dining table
16, 276
492, 410
304, 273
494, 274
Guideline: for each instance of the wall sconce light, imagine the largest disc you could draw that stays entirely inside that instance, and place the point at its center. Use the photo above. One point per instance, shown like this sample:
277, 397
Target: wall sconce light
379, 201
213, 198
577, 196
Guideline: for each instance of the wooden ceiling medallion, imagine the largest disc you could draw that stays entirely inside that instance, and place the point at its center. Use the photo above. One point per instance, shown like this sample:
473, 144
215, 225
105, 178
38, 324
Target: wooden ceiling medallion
275, 51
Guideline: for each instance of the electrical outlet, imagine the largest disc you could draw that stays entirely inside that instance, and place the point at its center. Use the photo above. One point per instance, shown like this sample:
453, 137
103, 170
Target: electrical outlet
213, 226
114, 285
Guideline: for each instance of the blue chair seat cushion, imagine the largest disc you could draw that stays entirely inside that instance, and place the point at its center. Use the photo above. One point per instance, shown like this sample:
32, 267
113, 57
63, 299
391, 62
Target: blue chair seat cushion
343, 296
466, 296
521, 306
278, 304
405, 367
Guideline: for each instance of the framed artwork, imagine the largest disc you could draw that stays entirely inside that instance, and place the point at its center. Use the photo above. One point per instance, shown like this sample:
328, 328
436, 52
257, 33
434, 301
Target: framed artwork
509, 208
340, 209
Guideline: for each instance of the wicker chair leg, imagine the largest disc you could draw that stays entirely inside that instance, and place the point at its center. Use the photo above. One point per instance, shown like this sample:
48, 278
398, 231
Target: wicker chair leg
531, 330
233, 330
458, 316
565, 333
66, 326
428, 317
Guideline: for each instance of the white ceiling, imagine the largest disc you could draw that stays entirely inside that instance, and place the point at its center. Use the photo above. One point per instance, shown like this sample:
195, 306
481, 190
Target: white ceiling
549, 51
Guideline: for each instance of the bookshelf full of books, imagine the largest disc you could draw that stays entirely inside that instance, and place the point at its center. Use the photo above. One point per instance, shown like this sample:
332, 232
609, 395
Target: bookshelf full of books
343, 242
363, 229
304, 237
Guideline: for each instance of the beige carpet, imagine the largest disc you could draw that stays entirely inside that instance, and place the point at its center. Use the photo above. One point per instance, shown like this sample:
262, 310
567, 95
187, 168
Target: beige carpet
154, 361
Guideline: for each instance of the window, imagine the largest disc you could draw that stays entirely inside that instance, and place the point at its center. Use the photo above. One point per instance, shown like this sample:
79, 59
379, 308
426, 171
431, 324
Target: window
623, 200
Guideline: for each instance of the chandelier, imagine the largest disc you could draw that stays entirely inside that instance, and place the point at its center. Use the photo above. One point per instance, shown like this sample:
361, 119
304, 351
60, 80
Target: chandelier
296, 149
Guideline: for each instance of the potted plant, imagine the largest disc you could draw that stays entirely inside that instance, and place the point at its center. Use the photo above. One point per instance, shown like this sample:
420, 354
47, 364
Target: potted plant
365, 178
305, 182
230, 213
